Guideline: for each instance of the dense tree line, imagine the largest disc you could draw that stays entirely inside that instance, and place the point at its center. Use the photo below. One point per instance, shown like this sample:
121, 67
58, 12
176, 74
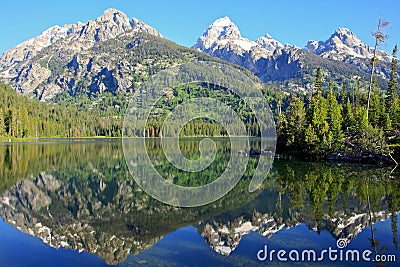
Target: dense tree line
332, 120
201, 126
21, 117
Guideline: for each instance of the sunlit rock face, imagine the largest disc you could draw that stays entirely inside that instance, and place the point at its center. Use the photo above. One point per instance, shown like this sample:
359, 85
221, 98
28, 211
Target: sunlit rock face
271, 61
63, 56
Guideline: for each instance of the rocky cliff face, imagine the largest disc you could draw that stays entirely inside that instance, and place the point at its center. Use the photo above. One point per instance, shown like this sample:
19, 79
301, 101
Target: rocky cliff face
223, 39
271, 61
76, 37
340, 45
343, 45
71, 57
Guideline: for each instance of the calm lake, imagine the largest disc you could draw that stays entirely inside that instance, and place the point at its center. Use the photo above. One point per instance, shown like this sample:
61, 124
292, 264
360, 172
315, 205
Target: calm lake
75, 203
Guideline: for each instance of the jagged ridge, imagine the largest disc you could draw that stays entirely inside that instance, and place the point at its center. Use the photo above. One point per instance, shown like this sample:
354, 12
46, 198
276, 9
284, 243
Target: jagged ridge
271, 61
77, 36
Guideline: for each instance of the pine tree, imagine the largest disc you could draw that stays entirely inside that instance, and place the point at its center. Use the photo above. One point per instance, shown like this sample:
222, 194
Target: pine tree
334, 119
317, 130
318, 82
375, 107
395, 114
393, 85
348, 117
311, 140
8, 122
24, 122
295, 117
343, 95
2, 128
361, 118
282, 131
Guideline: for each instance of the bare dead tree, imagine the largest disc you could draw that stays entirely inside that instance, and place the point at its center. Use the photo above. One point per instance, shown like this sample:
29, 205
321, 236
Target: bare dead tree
380, 37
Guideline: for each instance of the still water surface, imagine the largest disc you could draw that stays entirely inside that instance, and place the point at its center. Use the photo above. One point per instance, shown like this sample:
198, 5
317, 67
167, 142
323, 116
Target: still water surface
76, 204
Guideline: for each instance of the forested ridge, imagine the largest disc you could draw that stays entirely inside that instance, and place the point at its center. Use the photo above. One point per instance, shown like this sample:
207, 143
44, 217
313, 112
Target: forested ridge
330, 118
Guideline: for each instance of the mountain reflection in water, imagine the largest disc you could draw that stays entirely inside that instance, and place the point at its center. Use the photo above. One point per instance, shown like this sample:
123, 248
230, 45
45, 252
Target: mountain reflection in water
81, 196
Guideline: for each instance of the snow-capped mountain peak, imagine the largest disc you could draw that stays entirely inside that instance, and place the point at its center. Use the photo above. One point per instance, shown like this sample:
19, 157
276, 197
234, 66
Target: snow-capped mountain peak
268, 43
347, 37
224, 36
222, 39
344, 31
221, 29
341, 44
222, 22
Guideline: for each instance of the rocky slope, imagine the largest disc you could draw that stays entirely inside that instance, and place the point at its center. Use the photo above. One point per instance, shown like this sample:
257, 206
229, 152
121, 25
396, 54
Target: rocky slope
223, 39
94, 56
76, 37
343, 56
343, 45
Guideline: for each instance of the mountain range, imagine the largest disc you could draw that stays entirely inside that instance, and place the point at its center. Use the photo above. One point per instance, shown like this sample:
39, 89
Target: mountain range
76, 37
115, 54
268, 59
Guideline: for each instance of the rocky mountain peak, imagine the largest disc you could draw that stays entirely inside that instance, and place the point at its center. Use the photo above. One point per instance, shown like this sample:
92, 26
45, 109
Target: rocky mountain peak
108, 26
28, 49
341, 44
221, 29
268, 43
222, 22
346, 37
224, 28
343, 31
79, 36
114, 16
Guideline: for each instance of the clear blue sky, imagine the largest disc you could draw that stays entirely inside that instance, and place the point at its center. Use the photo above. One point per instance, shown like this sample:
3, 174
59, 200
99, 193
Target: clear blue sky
183, 22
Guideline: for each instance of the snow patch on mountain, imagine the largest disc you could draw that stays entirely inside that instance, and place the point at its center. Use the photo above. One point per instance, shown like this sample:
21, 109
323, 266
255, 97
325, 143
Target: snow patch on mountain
268, 43
341, 44
224, 36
